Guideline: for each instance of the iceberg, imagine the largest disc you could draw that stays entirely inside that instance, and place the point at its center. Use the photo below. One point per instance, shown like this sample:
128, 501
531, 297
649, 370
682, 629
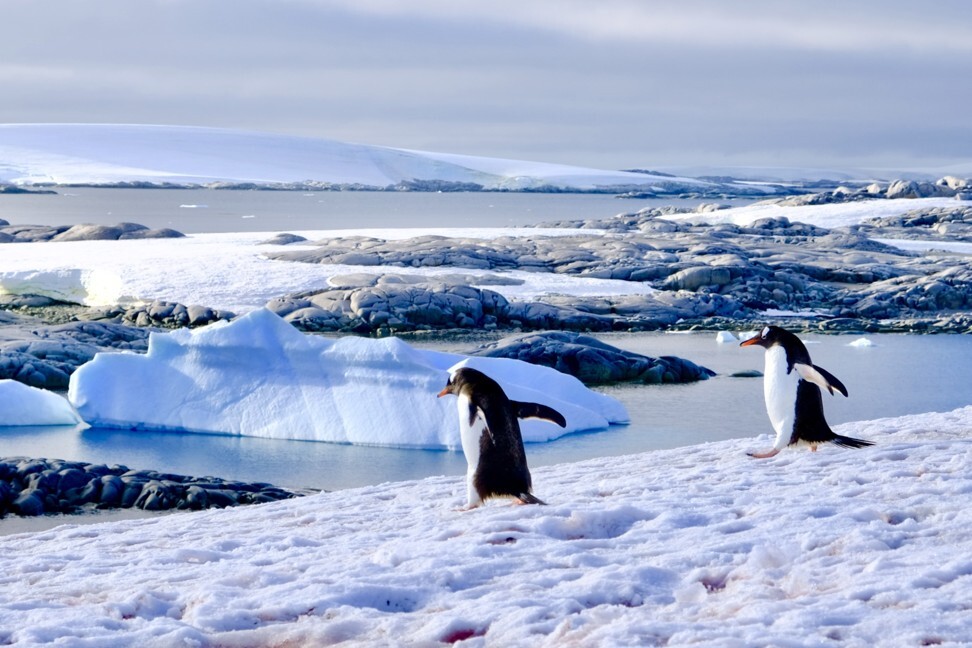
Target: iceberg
22, 404
259, 376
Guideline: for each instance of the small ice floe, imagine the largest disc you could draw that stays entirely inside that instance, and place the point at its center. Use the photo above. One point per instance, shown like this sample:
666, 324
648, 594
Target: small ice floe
725, 337
861, 342
248, 216
193, 206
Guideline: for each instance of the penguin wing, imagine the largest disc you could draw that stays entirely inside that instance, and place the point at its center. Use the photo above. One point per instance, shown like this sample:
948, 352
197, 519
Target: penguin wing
536, 410
820, 377
476, 413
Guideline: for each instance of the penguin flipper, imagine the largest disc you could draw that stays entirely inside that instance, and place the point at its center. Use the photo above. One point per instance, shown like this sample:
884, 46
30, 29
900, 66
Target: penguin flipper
536, 410
820, 377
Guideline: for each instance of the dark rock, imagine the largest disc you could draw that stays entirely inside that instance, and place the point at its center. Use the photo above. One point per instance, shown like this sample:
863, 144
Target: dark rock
37, 486
592, 361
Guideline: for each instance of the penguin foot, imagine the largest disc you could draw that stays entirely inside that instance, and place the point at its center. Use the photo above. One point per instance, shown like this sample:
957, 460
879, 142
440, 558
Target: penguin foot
764, 455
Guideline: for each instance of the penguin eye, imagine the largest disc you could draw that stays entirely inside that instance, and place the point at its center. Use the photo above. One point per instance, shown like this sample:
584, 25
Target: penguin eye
765, 333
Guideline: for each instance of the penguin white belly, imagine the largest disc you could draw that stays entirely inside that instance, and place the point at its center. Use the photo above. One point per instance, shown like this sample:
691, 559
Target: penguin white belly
470, 436
780, 393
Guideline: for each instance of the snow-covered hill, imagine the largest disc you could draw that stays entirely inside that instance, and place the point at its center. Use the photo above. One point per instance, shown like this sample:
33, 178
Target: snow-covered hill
110, 153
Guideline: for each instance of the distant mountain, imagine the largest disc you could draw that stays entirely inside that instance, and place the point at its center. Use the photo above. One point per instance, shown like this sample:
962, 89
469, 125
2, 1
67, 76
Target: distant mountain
145, 155
65, 154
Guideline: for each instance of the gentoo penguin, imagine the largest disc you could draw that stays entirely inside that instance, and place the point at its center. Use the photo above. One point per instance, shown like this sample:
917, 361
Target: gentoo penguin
490, 433
791, 388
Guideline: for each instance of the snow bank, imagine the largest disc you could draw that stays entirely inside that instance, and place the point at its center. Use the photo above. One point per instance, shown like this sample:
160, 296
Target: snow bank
259, 376
829, 216
692, 546
229, 272
21, 404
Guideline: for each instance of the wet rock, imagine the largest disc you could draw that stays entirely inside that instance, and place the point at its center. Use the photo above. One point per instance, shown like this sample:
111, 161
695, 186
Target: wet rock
591, 361
38, 486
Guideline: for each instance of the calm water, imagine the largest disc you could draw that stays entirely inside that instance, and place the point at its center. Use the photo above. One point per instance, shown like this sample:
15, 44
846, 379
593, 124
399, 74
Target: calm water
902, 374
207, 210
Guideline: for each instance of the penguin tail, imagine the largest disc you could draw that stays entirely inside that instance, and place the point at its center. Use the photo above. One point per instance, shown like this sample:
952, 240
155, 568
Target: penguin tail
849, 442
530, 498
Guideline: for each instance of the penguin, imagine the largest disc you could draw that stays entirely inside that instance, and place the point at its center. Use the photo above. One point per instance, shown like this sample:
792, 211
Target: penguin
491, 441
791, 388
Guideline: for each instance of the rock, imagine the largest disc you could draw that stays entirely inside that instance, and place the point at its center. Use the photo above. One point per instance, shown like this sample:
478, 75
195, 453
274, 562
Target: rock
592, 361
37, 486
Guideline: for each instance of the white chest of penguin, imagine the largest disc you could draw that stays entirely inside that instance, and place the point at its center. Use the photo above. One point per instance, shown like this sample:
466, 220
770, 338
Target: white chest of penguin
469, 435
779, 389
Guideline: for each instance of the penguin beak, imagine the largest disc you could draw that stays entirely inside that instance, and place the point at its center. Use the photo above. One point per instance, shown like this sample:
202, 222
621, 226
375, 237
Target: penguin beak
445, 392
751, 341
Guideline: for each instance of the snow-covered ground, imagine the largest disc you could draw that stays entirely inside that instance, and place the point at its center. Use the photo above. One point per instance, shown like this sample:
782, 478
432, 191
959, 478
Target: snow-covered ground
228, 271
833, 215
694, 546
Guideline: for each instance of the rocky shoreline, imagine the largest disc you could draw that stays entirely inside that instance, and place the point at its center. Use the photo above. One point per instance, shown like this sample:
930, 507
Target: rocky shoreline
32, 487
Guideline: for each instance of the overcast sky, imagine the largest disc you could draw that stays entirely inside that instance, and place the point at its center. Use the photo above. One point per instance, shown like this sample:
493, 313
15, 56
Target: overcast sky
603, 83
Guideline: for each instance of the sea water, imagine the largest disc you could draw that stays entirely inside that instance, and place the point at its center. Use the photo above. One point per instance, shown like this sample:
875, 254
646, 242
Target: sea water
209, 210
896, 375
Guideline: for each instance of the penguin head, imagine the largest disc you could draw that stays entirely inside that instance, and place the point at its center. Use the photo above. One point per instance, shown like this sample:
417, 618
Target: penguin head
769, 336
461, 378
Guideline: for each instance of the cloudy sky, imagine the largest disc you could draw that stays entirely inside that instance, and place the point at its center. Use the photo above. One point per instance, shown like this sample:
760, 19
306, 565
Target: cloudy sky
605, 83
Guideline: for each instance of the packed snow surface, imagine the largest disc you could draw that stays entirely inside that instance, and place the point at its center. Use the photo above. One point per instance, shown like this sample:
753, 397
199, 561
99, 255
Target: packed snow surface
693, 546
230, 272
259, 376
114, 153
829, 216
21, 404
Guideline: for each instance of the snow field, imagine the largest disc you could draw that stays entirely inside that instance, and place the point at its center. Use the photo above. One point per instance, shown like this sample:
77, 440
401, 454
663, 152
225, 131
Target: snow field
694, 546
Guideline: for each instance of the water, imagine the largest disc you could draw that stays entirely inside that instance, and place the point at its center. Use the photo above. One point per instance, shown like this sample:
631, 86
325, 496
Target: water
208, 210
902, 374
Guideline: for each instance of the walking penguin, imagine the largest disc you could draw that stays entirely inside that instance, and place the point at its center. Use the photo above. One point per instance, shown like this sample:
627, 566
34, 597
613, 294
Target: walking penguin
491, 440
791, 388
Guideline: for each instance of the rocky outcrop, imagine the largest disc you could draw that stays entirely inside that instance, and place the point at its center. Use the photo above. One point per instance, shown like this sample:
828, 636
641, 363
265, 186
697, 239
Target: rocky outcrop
46, 356
591, 361
82, 232
31, 487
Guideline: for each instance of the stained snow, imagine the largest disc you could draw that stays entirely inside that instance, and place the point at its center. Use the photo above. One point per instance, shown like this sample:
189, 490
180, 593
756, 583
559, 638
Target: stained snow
693, 546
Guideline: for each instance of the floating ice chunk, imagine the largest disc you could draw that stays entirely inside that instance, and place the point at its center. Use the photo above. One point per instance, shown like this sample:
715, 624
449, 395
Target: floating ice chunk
21, 404
725, 337
259, 376
862, 342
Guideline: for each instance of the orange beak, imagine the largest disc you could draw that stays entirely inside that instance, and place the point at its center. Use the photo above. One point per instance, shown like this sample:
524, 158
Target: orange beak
750, 342
444, 392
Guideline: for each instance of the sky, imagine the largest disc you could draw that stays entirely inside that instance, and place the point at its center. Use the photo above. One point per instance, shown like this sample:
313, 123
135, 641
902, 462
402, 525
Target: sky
613, 84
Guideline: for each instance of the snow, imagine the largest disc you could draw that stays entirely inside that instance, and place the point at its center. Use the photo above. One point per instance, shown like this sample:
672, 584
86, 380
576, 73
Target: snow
230, 272
861, 342
829, 216
693, 546
259, 376
111, 153
21, 404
